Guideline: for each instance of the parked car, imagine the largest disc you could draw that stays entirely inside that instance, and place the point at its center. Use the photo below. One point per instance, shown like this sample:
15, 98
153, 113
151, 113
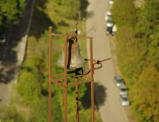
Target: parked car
123, 90
109, 28
118, 80
111, 2
124, 100
109, 23
108, 16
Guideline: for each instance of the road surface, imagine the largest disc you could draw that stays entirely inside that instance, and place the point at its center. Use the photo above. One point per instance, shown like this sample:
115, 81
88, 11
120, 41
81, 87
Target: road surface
106, 93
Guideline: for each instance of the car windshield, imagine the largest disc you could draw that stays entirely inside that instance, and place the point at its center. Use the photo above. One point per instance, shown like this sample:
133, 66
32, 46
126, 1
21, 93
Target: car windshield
125, 98
123, 89
119, 81
109, 18
117, 77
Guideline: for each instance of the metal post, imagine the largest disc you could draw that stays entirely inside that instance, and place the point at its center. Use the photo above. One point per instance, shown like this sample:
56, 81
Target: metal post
92, 79
50, 72
77, 108
65, 76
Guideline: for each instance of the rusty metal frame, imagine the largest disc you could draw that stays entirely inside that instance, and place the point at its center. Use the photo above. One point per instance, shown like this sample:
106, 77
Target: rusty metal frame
57, 81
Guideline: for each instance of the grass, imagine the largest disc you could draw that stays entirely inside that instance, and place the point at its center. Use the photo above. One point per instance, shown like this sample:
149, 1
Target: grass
36, 63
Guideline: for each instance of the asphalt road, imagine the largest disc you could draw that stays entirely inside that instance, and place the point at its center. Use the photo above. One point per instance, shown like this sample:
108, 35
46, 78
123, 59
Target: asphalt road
106, 93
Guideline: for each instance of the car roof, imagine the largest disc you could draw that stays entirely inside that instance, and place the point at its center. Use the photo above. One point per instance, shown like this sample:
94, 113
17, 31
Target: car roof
122, 85
109, 25
108, 13
124, 96
117, 77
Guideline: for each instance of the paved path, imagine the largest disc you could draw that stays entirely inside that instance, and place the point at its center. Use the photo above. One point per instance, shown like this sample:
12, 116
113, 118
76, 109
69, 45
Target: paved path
106, 93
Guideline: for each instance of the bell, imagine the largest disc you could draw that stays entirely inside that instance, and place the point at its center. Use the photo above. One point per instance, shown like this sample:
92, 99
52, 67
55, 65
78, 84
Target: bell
74, 59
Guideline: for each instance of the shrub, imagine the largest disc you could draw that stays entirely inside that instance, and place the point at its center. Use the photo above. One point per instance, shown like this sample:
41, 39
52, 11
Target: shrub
124, 12
29, 87
144, 95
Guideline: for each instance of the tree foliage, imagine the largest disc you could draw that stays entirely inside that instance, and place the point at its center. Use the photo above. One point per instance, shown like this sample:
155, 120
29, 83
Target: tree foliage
130, 54
147, 29
10, 114
137, 42
69, 8
145, 100
123, 12
11, 11
29, 87
33, 82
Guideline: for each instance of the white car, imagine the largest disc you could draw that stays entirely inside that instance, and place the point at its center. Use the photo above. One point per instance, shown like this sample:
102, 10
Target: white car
109, 26
118, 80
108, 16
123, 90
111, 2
124, 100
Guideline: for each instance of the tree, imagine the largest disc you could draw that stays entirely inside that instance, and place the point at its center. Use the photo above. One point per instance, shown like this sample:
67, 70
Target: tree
29, 87
147, 28
70, 8
144, 95
11, 11
124, 12
10, 114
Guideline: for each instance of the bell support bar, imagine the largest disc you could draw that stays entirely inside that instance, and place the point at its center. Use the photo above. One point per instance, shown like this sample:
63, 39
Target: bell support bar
95, 62
78, 76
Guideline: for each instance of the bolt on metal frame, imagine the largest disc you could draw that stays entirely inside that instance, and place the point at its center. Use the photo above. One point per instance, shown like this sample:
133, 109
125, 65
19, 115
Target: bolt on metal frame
76, 77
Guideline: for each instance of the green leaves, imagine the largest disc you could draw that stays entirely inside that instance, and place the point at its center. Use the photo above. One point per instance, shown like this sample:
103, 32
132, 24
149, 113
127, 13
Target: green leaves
124, 12
29, 87
145, 100
11, 11
137, 42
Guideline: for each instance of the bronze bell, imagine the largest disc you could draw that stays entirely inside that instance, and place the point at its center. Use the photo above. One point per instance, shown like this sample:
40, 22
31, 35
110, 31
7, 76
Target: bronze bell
74, 58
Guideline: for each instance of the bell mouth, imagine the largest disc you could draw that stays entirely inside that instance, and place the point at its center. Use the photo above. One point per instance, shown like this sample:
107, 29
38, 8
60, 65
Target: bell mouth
75, 63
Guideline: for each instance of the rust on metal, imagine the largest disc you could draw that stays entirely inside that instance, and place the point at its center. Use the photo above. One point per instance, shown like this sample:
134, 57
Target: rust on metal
92, 79
58, 35
50, 72
63, 82
82, 82
77, 107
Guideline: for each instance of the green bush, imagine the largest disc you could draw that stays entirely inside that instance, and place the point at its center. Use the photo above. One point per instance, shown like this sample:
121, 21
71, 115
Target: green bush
144, 96
29, 87
10, 114
124, 12
33, 80
137, 43
69, 8
130, 54
40, 111
11, 11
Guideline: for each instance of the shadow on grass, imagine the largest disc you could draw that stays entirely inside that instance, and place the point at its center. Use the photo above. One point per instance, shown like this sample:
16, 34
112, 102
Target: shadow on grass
99, 94
83, 6
40, 23
8, 51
